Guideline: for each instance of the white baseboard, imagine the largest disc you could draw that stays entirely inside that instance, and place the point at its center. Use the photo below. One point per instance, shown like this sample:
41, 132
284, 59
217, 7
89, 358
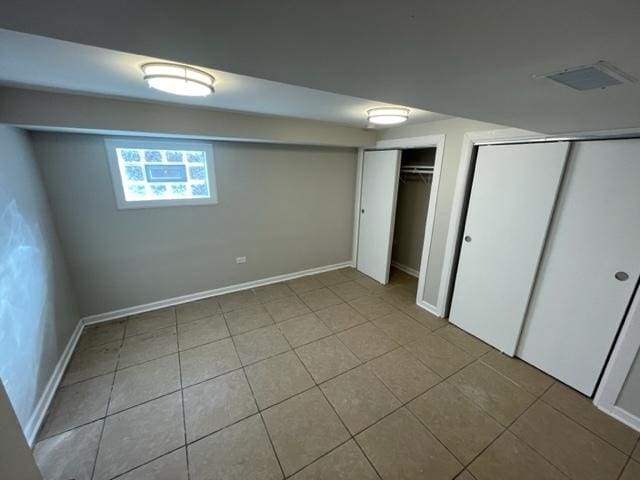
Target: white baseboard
623, 416
170, 302
38, 415
411, 271
429, 308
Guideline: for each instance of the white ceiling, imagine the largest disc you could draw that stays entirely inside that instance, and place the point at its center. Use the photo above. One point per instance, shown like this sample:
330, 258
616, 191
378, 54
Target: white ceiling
41, 62
466, 58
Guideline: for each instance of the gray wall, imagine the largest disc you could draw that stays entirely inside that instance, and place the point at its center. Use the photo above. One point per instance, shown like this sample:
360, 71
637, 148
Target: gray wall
286, 208
629, 398
454, 129
411, 217
16, 459
37, 304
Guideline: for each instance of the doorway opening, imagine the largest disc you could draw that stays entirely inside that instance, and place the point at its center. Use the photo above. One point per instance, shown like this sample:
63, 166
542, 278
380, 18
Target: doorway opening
414, 190
396, 212
384, 193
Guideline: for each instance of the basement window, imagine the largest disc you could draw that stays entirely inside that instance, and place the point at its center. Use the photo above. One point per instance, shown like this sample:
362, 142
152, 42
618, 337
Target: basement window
151, 173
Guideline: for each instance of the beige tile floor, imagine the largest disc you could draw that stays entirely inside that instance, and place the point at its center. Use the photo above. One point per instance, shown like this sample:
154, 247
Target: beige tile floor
325, 377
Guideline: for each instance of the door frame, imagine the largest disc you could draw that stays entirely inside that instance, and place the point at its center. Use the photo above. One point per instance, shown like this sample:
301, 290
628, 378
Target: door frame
618, 367
627, 344
427, 141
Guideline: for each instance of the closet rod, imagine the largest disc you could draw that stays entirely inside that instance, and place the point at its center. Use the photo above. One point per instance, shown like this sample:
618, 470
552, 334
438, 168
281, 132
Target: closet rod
424, 170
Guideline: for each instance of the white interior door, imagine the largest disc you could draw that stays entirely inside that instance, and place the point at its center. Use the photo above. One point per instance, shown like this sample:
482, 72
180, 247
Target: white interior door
512, 196
578, 303
378, 196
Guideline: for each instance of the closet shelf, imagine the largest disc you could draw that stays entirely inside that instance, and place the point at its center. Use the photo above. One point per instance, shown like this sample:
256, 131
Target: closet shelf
417, 169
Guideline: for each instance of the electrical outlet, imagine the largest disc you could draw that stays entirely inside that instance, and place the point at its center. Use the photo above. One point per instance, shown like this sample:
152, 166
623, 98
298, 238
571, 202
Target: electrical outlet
241, 260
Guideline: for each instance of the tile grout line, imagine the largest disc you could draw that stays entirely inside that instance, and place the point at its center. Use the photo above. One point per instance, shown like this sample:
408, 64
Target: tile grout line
333, 333
278, 354
116, 369
316, 385
504, 428
327, 453
629, 459
122, 340
364, 454
507, 429
172, 353
624, 467
402, 404
273, 448
106, 411
120, 475
481, 407
107, 415
184, 417
454, 456
546, 402
538, 397
504, 375
527, 443
323, 395
255, 401
351, 436
550, 405
220, 429
476, 359
362, 362
264, 424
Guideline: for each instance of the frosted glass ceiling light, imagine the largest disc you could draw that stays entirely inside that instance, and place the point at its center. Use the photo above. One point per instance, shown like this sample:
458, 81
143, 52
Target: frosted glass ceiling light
387, 115
178, 79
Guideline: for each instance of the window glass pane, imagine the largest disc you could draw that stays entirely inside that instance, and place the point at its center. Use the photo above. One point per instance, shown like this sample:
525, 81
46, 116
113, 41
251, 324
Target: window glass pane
179, 189
174, 156
134, 173
200, 190
166, 173
158, 190
152, 156
195, 157
157, 174
137, 191
197, 173
130, 155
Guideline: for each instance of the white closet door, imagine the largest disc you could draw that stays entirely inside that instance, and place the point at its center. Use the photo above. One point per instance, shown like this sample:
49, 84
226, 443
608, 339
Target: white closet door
578, 303
377, 212
512, 196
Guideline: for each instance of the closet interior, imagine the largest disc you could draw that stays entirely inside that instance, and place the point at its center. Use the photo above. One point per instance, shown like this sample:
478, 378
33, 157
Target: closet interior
394, 199
414, 188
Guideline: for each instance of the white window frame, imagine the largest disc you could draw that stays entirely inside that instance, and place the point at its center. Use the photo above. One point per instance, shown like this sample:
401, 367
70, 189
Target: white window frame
112, 143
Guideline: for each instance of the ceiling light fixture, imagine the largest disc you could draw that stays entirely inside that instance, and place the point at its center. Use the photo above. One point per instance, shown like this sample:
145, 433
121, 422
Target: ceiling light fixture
388, 115
178, 79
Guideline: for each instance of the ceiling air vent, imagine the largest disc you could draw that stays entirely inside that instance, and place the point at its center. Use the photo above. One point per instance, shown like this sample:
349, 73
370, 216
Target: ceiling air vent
590, 77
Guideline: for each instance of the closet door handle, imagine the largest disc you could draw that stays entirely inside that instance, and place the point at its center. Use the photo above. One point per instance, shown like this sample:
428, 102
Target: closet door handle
362, 211
621, 276
467, 239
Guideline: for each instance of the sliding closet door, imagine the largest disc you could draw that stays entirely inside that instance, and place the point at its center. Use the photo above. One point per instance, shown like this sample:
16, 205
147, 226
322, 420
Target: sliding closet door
590, 266
512, 197
377, 213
